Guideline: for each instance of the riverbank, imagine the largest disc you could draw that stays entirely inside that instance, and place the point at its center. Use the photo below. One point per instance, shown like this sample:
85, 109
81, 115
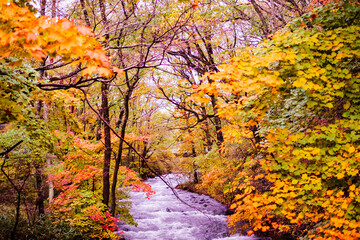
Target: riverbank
192, 187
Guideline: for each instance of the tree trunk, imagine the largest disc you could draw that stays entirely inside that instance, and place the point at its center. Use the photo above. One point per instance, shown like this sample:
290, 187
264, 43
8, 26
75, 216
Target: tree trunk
54, 8
49, 157
86, 16
39, 190
105, 114
207, 133
42, 7
98, 129
118, 161
18, 201
219, 135
51, 184
38, 170
196, 179
107, 142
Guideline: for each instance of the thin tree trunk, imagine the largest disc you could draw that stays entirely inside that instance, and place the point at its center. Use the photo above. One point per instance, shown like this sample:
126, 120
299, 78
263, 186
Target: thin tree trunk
217, 120
207, 132
48, 156
105, 115
51, 184
38, 170
84, 117
98, 129
265, 27
86, 16
107, 141
196, 179
42, 7
39, 190
17, 189
118, 160
219, 134
53, 8
18, 200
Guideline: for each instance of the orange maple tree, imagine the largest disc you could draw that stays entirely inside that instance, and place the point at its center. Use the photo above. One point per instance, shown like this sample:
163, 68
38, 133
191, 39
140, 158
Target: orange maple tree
24, 35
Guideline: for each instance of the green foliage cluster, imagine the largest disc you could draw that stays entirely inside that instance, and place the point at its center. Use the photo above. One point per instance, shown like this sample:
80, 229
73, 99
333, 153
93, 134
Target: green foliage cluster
42, 229
17, 82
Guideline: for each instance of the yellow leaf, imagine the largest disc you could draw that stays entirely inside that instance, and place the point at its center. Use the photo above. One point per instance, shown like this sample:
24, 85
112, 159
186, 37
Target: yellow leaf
237, 196
340, 175
344, 205
351, 149
347, 105
300, 82
315, 151
329, 192
293, 194
279, 201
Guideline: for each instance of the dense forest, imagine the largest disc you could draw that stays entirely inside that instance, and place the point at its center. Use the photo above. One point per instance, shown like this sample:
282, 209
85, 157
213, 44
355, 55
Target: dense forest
257, 101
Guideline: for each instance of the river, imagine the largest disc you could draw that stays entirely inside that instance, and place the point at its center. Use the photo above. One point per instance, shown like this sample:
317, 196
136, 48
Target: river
165, 217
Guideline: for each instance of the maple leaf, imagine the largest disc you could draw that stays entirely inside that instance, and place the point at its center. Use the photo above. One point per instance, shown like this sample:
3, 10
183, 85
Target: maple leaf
86, 31
89, 71
195, 5
118, 70
66, 24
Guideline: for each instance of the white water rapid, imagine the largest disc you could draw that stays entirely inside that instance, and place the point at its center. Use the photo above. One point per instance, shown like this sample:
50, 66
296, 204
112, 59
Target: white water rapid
164, 217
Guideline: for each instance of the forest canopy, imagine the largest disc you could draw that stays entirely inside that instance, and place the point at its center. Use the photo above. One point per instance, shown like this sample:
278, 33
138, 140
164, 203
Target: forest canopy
256, 101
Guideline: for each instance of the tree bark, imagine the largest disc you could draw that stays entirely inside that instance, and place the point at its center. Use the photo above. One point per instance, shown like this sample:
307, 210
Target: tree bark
219, 134
86, 16
98, 130
38, 169
54, 8
42, 7
49, 157
196, 178
118, 160
265, 27
107, 142
105, 115
207, 132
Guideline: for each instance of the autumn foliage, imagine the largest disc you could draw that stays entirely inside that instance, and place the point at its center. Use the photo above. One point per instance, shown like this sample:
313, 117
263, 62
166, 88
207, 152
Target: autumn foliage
22, 34
52, 157
301, 91
273, 131
77, 180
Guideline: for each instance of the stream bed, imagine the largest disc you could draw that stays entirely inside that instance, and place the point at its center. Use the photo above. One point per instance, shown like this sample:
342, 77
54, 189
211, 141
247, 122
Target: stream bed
165, 217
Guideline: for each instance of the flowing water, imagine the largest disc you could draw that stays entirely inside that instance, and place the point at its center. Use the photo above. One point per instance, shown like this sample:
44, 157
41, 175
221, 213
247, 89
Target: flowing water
164, 217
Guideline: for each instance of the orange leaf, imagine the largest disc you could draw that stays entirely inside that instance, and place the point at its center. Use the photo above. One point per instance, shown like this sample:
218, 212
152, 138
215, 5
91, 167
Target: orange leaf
118, 70
5, 55
195, 5
66, 24
86, 31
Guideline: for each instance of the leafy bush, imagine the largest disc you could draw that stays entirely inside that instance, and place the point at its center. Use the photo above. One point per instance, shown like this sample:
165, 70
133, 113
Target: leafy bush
43, 228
